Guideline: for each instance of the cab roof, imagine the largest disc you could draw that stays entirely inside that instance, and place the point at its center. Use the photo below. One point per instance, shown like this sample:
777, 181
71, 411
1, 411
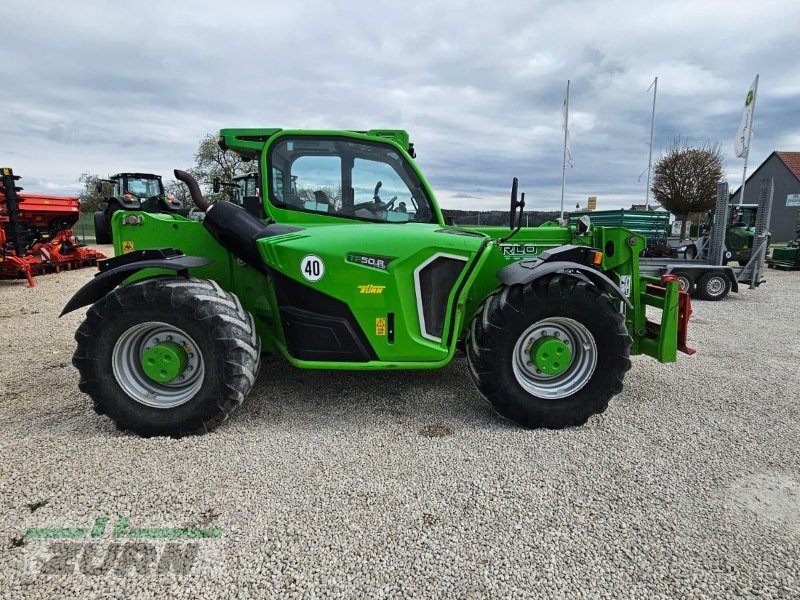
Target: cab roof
249, 142
139, 175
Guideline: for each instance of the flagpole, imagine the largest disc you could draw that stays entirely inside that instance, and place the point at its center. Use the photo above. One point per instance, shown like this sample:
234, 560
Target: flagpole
654, 85
564, 165
749, 135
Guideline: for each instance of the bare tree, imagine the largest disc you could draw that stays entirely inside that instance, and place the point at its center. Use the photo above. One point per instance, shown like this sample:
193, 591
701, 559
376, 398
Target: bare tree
179, 191
685, 179
212, 162
91, 198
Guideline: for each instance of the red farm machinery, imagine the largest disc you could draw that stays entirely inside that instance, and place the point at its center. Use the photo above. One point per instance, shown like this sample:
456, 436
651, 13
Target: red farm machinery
36, 233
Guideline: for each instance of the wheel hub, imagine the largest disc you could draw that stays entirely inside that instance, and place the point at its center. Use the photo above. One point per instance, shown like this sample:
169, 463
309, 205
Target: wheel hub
165, 361
550, 355
554, 358
716, 286
158, 364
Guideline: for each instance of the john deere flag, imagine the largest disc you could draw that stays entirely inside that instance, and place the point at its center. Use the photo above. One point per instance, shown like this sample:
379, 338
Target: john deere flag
741, 144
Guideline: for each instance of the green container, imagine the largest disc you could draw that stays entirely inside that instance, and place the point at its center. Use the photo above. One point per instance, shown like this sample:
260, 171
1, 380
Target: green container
785, 254
652, 224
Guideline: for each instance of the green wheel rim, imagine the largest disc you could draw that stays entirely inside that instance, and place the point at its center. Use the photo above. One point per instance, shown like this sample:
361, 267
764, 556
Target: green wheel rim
172, 350
544, 372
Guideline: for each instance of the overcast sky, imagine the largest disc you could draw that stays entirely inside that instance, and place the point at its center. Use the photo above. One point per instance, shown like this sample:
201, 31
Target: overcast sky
104, 87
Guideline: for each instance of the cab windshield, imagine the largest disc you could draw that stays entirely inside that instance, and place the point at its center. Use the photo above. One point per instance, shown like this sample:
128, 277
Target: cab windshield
347, 178
143, 187
743, 216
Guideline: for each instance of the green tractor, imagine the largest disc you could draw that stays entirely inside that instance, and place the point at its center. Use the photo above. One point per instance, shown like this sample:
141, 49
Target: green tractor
246, 187
347, 263
132, 191
242, 190
740, 232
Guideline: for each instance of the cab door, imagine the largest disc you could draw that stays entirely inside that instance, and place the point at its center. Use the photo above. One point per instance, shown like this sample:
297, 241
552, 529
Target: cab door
372, 275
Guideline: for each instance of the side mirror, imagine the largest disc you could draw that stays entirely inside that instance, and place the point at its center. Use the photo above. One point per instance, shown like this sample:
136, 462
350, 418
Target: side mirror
450, 221
215, 185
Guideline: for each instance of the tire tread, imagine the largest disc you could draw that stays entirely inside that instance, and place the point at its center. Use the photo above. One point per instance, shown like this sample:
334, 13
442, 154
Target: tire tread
510, 306
231, 329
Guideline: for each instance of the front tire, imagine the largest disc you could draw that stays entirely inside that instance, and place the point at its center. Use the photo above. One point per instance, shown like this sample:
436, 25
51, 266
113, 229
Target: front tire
559, 313
208, 341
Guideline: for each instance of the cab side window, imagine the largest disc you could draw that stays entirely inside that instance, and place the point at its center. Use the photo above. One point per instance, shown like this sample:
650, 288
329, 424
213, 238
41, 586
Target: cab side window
318, 183
347, 178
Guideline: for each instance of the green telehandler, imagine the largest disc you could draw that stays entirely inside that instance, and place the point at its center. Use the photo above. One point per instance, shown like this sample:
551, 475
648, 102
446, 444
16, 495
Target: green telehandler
346, 263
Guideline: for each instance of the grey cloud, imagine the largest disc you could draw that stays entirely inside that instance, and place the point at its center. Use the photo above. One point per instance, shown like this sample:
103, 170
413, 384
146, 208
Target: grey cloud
479, 86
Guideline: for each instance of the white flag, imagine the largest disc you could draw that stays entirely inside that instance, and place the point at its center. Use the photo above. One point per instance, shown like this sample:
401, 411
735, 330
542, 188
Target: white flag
741, 145
565, 127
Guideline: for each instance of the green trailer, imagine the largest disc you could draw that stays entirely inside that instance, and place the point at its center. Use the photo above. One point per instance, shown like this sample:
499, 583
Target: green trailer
347, 263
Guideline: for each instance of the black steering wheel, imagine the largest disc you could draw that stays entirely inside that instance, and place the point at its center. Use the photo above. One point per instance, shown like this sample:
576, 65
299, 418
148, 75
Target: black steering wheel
369, 205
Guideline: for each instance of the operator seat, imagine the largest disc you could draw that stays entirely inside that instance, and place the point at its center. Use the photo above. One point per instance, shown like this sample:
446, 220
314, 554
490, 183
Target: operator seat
322, 198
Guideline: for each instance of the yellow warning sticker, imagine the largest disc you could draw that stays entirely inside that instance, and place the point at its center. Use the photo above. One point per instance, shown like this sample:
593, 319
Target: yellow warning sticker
380, 326
127, 246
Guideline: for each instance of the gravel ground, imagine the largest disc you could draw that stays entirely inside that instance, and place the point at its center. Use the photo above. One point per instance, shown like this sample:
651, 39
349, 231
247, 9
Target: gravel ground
404, 484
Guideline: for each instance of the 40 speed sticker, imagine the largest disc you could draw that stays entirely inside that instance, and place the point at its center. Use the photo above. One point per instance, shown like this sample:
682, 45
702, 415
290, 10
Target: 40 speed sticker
312, 267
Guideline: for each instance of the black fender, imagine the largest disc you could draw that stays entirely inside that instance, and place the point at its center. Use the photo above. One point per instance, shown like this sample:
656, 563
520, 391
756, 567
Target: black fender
125, 203
525, 271
734, 282
172, 206
114, 271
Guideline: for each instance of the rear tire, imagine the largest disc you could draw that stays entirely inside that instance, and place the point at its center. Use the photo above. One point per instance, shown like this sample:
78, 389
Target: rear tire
208, 321
102, 235
713, 286
578, 311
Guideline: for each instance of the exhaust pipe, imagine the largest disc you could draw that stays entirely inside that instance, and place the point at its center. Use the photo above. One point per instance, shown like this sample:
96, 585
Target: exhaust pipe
194, 189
